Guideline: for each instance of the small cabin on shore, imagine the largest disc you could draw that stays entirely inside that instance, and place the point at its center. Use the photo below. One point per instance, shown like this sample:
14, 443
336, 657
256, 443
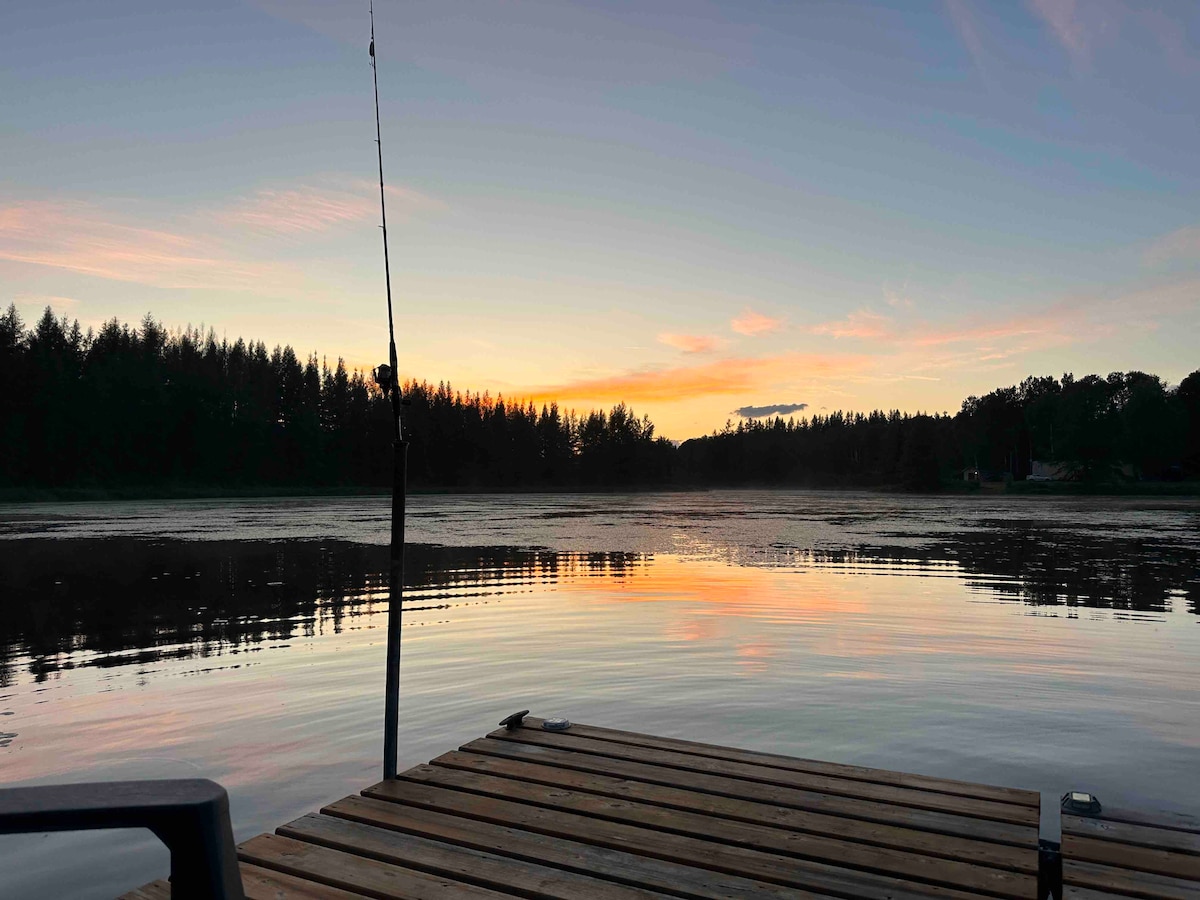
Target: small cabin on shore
1049, 471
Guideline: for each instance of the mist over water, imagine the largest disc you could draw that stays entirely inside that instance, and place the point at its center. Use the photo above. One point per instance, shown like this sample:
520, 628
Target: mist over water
1033, 642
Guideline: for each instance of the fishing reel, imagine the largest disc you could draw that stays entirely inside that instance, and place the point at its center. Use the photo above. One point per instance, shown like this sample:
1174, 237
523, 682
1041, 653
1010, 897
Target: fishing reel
386, 381
383, 378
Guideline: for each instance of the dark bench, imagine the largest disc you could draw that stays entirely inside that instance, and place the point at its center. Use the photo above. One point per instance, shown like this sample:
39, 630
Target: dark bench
190, 816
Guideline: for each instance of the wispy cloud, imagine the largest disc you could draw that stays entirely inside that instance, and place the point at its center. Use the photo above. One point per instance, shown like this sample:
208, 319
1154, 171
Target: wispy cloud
963, 18
1058, 324
1181, 244
897, 299
860, 324
313, 208
1053, 325
1172, 38
1078, 27
202, 248
753, 323
81, 237
58, 302
691, 343
778, 409
718, 378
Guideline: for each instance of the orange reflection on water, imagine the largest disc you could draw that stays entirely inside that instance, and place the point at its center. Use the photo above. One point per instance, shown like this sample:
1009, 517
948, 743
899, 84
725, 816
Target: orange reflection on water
725, 590
753, 656
869, 624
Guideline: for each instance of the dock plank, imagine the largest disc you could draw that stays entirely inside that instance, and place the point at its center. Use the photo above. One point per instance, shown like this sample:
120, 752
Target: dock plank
1126, 833
983, 852
1011, 813
1023, 835
880, 860
1130, 856
1128, 883
772, 867
263, 884
155, 890
603, 814
1160, 819
453, 861
355, 873
1075, 892
616, 865
797, 764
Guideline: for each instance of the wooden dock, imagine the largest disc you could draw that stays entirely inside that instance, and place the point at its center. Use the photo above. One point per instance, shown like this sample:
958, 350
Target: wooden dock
597, 814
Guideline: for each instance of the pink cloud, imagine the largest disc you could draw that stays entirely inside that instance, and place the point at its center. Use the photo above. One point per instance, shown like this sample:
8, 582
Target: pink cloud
1056, 323
1059, 324
202, 249
80, 237
751, 323
690, 343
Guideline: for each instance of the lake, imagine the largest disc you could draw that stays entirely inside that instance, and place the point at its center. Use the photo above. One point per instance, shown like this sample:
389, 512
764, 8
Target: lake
1034, 642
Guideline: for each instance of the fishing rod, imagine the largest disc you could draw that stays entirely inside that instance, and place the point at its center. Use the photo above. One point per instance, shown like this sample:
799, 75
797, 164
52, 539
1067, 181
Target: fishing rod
386, 376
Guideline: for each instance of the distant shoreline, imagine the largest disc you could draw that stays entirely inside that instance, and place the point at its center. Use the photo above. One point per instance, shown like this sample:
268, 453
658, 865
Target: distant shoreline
248, 492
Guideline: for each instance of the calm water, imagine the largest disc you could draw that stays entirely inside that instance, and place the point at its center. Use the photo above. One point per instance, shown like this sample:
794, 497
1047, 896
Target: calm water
1027, 641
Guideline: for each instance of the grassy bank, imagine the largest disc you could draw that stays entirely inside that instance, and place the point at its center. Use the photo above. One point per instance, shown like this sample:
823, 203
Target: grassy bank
234, 492
1104, 489
176, 492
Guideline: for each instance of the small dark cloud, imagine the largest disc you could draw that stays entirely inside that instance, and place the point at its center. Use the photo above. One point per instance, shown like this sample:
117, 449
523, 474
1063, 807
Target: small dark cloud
779, 409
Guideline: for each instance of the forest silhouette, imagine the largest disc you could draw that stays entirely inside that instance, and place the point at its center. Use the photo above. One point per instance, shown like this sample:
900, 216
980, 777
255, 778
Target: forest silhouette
128, 407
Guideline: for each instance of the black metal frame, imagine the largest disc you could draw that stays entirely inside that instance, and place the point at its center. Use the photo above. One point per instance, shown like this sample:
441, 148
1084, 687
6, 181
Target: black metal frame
190, 816
1050, 871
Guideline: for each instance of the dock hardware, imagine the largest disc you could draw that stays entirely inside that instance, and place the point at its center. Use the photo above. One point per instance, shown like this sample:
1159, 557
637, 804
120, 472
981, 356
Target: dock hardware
1080, 803
513, 722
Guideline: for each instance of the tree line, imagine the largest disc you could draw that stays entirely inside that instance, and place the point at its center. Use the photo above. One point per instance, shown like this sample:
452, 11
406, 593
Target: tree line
1128, 426
140, 406
143, 406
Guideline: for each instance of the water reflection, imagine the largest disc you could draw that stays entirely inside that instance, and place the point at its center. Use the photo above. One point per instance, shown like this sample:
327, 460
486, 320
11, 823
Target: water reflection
1034, 565
1003, 649
119, 601
122, 601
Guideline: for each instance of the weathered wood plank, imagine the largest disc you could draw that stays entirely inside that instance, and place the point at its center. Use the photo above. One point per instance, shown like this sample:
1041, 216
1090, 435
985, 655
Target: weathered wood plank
1126, 833
815, 801
263, 884
1169, 820
797, 764
155, 890
615, 865
1129, 856
987, 853
811, 847
909, 797
604, 814
1075, 892
802, 873
1128, 883
463, 864
355, 873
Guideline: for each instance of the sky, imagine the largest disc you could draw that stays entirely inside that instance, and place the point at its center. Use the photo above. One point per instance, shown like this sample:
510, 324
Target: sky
705, 210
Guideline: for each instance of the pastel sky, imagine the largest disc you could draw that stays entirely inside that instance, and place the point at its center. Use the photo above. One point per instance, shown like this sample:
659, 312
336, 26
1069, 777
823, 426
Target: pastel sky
694, 207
